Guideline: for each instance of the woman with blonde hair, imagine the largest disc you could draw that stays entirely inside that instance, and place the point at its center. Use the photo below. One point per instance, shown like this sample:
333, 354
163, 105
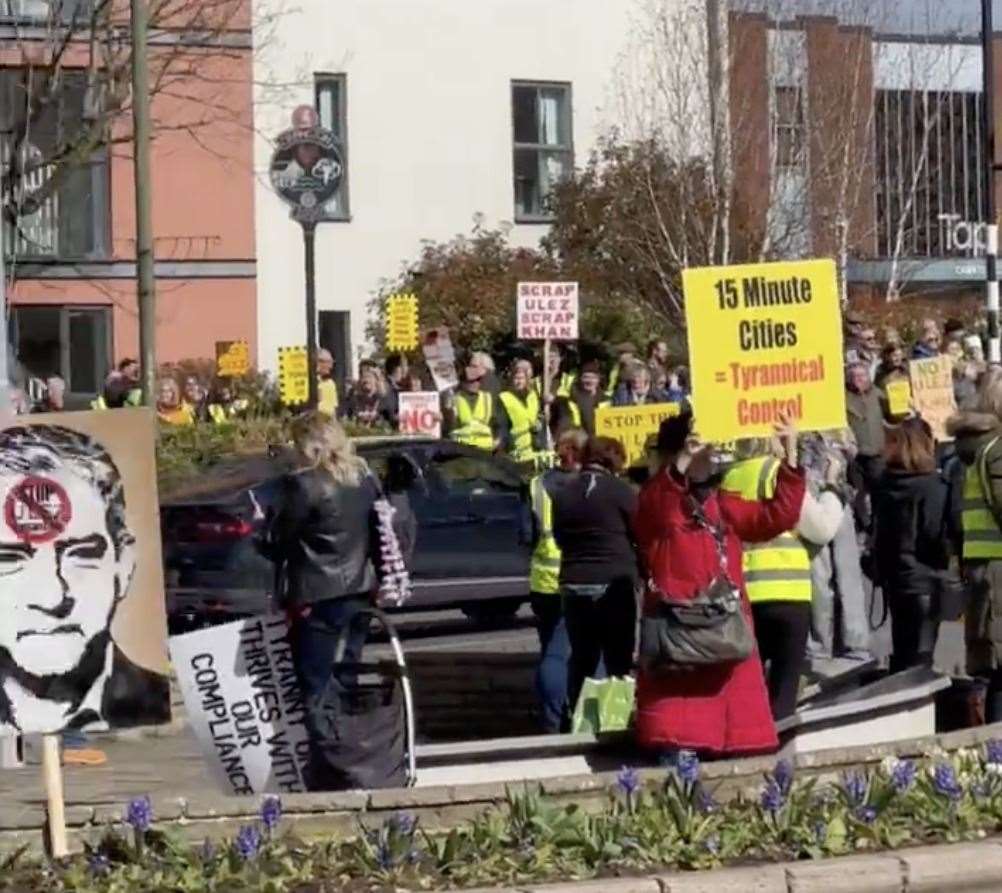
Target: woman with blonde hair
324, 538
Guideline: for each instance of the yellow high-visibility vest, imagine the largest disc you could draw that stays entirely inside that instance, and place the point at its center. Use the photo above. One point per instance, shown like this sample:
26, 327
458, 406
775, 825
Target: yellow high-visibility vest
779, 570
474, 427
575, 411
98, 403
564, 383
327, 396
525, 422
544, 571
982, 537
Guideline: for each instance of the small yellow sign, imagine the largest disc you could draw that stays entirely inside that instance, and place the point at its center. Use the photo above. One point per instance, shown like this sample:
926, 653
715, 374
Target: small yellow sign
402, 322
899, 396
765, 339
633, 426
232, 359
293, 375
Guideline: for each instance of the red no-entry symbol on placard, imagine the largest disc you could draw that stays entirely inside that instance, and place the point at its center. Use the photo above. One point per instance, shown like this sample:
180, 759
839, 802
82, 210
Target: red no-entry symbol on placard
37, 510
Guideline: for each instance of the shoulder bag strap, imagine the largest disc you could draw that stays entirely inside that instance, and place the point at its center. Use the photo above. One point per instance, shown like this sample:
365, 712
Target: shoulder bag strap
986, 489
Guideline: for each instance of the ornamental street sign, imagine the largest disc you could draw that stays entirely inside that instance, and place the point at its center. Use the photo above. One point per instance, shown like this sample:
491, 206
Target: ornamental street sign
307, 166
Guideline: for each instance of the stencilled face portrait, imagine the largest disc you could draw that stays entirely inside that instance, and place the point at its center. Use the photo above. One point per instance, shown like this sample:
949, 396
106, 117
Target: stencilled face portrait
67, 558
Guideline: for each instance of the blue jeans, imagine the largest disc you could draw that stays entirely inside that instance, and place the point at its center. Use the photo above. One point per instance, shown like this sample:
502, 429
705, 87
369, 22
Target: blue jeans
554, 661
314, 642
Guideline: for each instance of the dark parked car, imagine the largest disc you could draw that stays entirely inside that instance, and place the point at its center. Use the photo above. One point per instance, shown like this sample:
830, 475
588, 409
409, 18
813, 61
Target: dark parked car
472, 543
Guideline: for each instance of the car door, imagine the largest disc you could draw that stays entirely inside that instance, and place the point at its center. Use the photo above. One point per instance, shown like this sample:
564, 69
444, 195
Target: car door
473, 518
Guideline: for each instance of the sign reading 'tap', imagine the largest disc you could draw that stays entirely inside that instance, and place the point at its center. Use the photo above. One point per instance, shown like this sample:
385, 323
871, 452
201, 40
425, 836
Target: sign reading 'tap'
548, 311
765, 339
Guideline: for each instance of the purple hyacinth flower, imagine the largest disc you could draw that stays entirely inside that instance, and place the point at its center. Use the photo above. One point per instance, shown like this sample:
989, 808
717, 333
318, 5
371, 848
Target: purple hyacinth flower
628, 781
993, 752
903, 776
271, 812
402, 823
866, 814
248, 842
687, 766
98, 864
855, 787
945, 782
139, 814
773, 797
783, 774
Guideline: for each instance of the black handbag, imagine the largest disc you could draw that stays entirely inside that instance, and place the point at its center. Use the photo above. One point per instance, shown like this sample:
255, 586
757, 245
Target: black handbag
709, 629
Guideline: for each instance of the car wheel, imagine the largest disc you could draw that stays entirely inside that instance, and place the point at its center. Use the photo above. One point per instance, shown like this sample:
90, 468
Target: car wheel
493, 610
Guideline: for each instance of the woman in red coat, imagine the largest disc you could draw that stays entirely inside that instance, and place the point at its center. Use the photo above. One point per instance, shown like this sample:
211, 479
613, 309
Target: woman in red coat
715, 709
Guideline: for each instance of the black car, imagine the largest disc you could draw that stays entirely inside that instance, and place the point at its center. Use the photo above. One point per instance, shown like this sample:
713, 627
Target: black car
472, 546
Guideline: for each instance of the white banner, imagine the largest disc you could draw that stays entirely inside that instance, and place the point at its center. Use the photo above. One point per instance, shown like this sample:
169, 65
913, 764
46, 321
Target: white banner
244, 704
439, 354
548, 311
420, 413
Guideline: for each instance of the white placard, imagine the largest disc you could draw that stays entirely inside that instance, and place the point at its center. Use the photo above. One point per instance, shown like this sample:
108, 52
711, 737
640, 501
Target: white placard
420, 413
244, 704
548, 311
436, 345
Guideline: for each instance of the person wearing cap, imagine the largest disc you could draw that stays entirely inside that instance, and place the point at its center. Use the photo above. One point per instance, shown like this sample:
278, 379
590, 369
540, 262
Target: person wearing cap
470, 414
577, 408
327, 396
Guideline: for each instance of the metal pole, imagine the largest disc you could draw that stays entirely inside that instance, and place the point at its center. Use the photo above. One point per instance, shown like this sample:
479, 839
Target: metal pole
4, 344
309, 244
145, 282
988, 117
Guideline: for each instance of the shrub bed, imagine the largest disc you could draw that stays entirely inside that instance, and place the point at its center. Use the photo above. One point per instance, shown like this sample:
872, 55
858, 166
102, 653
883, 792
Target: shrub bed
676, 824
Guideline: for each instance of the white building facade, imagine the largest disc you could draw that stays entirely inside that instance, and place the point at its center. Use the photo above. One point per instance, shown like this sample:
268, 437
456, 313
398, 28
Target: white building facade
446, 109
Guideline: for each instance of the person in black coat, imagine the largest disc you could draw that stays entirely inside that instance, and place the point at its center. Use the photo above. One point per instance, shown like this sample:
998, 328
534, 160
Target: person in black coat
593, 518
911, 551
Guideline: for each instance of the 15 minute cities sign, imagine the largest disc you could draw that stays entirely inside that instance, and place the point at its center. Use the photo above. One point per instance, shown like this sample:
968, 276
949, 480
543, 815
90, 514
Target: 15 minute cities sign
765, 339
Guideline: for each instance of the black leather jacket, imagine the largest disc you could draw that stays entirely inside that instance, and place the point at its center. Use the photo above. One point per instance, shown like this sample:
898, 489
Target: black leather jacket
325, 538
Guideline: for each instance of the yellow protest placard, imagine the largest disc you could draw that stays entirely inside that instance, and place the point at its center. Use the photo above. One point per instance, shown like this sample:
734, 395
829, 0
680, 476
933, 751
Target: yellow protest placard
633, 426
402, 322
293, 375
232, 358
764, 339
932, 393
899, 396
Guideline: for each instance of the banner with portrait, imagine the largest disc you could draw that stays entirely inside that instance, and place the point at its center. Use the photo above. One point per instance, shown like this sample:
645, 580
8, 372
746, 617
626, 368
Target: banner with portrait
83, 634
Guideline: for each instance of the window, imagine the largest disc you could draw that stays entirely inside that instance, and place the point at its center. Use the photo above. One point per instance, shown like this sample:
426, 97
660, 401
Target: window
790, 130
331, 92
72, 342
544, 154
465, 475
71, 222
65, 11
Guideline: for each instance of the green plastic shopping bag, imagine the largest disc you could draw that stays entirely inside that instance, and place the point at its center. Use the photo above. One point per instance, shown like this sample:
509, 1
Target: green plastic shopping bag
605, 705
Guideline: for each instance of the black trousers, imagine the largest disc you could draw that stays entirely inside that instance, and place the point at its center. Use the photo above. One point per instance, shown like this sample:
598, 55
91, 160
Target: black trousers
601, 628
781, 629
914, 627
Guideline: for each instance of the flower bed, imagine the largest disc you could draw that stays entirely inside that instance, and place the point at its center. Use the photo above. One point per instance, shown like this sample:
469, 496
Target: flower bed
677, 824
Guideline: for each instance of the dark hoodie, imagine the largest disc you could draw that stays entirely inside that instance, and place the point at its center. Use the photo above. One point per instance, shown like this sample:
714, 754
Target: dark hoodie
974, 431
911, 522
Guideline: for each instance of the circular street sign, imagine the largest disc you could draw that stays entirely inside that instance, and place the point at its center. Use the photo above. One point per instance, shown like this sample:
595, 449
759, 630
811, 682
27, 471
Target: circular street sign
306, 166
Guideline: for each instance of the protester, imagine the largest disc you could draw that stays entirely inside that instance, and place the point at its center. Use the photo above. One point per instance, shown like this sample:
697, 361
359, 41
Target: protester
636, 389
327, 395
322, 536
978, 437
526, 432
928, 344
171, 409
577, 409
196, 398
365, 404
626, 356
471, 415
593, 518
544, 584
778, 572
689, 533
839, 623
853, 325
121, 388
893, 365
560, 381
954, 330
490, 381
868, 350
657, 355
55, 394
222, 406
910, 507
397, 375
678, 385
866, 418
